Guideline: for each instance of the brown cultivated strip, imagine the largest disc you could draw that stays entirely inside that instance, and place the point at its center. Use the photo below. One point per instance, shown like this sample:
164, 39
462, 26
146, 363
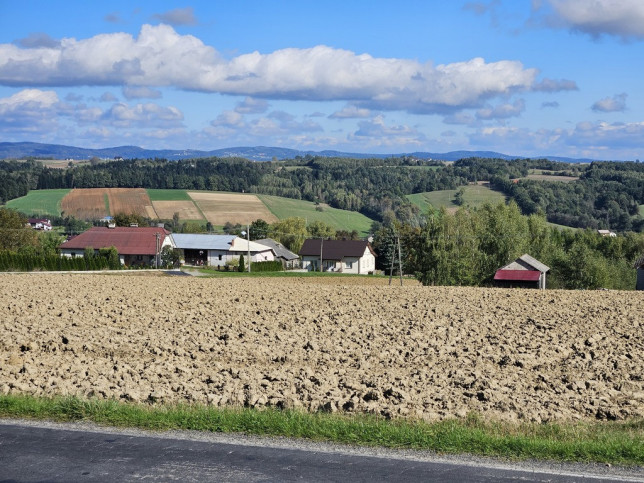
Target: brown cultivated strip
412, 351
89, 203
219, 208
187, 210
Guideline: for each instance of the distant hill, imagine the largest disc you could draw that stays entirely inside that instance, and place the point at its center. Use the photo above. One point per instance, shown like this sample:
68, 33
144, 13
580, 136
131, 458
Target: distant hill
23, 150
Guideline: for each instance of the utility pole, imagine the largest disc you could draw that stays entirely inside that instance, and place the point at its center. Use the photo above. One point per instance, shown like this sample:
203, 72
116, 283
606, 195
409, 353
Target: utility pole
399, 260
248, 242
156, 255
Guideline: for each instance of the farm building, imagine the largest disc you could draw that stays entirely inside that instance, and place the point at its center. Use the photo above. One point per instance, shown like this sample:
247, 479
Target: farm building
136, 246
346, 256
216, 250
39, 224
283, 254
639, 266
525, 272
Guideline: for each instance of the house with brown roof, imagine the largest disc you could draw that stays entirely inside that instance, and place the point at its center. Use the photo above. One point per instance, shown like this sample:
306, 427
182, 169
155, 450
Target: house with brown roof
345, 256
524, 272
136, 246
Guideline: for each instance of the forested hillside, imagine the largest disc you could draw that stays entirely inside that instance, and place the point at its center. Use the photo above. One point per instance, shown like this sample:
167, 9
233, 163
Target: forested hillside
605, 195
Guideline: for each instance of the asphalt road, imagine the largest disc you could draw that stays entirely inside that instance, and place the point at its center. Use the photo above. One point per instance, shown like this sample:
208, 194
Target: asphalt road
40, 451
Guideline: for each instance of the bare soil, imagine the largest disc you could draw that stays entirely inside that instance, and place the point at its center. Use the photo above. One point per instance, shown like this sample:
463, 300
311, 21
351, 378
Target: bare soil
219, 208
411, 351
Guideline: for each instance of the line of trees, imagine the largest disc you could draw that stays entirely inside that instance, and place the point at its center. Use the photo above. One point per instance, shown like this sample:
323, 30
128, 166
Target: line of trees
468, 246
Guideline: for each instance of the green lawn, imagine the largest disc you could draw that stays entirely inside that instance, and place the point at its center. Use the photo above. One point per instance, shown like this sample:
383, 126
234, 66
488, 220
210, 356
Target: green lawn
338, 219
168, 195
475, 195
39, 202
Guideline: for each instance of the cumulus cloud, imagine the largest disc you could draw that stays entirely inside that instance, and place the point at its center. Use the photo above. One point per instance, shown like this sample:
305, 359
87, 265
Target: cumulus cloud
130, 92
381, 134
29, 110
148, 115
351, 112
502, 111
178, 16
159, 56
617, 103
621, 18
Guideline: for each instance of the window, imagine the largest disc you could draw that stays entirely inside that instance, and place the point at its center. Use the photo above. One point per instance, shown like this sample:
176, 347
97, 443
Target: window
348, 264
219, 256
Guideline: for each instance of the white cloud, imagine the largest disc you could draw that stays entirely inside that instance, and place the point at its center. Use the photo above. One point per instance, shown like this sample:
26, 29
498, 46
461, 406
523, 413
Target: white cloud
28, 111
161, 57
143, 115
621, 18
502, 111
377, 133
617, 103
130, 92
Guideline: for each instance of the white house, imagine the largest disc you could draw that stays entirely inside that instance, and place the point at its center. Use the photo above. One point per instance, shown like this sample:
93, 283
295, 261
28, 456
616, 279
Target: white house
345, 256
217, 250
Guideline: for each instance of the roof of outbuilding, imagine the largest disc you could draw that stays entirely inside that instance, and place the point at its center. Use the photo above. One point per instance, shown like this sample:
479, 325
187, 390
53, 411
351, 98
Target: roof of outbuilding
280, 250
518, 275
534, 263
190, 241
335, 249
127, 240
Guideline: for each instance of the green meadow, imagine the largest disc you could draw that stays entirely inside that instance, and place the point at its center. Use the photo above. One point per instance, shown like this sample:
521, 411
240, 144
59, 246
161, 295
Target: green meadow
475, 195
39, 202
338, 219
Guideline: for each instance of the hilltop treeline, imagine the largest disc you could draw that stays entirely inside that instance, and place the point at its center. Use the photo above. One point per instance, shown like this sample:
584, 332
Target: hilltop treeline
606, 195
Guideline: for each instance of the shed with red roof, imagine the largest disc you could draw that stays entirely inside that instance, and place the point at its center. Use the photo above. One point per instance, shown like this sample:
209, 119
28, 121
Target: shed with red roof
525, 272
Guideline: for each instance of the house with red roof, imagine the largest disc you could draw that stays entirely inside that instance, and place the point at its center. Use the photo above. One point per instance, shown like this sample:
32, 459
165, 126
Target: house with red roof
136, 246
345, 256
524, 272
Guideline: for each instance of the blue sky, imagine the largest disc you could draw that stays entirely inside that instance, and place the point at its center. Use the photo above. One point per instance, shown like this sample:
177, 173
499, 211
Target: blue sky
526, 78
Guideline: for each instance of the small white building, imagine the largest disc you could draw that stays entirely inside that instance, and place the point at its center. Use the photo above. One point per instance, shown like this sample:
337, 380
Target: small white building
218, 250
344, 256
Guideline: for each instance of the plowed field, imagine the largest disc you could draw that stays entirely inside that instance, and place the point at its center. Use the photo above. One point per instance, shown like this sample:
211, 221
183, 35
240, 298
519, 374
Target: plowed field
219, 208
90, 203
412, 351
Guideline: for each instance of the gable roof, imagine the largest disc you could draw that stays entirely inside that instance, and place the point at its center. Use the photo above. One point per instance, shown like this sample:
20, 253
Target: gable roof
127, 240
518, 275
335, 249
190, 241
280, 250
526, 262
242, 245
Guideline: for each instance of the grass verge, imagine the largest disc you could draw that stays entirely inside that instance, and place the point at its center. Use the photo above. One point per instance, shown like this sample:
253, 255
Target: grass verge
602, 442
